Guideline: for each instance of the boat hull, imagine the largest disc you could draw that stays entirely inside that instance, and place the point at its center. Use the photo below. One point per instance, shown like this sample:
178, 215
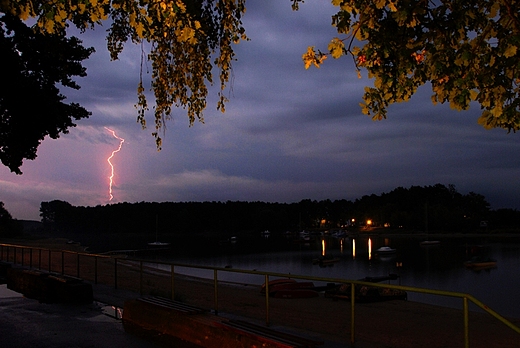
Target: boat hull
430, 243
386, 251
290, 288
276, 282
480, 265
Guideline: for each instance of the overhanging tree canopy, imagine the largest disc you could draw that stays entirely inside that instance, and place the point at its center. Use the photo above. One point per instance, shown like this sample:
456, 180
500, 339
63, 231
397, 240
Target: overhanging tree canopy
31, 105
185, 36
467, 50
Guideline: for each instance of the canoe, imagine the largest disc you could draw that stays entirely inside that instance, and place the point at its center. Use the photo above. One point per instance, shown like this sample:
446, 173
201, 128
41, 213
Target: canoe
290, 288
277, 282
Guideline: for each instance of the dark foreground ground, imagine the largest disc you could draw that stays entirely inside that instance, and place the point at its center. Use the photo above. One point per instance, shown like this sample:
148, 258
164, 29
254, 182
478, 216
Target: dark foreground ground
27, 323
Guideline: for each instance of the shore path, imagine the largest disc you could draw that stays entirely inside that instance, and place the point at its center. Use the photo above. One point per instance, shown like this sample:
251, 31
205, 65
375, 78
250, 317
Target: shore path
384, 324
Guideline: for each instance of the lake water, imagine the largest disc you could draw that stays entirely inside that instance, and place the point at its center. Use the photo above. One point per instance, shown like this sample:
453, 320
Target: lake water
435, 267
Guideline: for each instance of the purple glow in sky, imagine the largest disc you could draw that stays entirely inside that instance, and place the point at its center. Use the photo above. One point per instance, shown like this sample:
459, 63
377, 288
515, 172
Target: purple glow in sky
288, 133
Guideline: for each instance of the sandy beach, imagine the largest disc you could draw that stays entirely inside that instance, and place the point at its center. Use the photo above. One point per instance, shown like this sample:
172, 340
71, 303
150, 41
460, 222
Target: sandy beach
383, 324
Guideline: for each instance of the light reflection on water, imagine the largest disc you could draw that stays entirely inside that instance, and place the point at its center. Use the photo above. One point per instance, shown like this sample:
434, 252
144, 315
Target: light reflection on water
435, 267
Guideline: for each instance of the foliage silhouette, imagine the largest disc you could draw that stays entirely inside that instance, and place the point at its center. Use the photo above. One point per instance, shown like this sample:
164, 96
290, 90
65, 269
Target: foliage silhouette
31, 105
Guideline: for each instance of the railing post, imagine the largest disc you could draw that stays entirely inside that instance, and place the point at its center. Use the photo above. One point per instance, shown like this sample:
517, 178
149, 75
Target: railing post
30, 257
77, 264
267, 299
7, 259
62, 262
215, 281
352, 306
172, 281
115, 273
1, 252
141, 278
14, 256
22, 256
49, 260
39, 258
466, 322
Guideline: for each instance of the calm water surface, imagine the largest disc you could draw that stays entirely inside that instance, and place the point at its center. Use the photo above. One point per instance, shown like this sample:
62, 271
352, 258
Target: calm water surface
434, 267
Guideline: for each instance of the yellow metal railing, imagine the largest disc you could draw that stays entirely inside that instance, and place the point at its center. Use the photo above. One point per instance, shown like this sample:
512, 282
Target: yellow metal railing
17, 255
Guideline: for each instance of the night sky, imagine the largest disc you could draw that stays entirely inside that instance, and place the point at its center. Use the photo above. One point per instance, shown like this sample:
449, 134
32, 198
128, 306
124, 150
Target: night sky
288, 133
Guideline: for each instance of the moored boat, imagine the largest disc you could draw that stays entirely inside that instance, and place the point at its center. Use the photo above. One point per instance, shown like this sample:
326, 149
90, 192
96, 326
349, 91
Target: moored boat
385, 250
158, 244
478, 263
430, 242
327, 260
378, 279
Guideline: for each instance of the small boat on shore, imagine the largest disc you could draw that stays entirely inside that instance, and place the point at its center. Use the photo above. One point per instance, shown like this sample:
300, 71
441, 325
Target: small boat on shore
290, 288
277, 282
296, 293
366, 294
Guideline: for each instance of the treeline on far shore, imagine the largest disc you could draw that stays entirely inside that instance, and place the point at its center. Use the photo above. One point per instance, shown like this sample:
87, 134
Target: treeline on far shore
432, 209
437, 209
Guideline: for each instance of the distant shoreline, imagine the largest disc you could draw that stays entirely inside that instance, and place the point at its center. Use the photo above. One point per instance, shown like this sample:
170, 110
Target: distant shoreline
64, 243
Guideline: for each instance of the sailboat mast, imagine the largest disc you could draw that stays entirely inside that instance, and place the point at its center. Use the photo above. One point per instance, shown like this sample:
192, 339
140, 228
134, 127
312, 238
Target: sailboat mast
156, 227
426, 217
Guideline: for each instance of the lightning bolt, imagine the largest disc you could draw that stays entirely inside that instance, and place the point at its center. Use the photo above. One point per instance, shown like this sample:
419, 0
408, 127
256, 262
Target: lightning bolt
109, 160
